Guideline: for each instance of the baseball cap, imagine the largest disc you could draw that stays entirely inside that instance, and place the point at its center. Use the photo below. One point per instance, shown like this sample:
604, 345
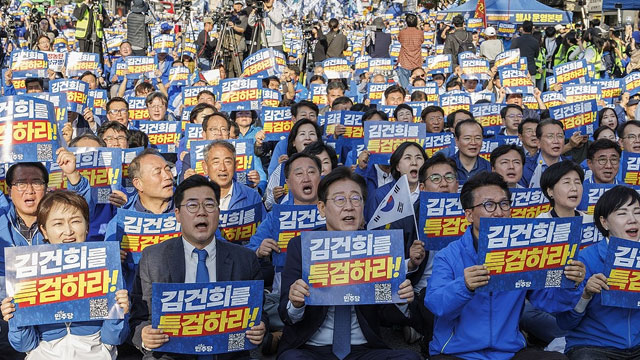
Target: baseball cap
165, 27
208, 20
239, 2
633, 101
490, 31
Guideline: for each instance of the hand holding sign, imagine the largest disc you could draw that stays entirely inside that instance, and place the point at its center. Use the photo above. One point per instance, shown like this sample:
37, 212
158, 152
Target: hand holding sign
416, 254
256, 333
595, 285
67, 162
405, 291
8, 308
297, 292
153, 338
575, 271
476, 276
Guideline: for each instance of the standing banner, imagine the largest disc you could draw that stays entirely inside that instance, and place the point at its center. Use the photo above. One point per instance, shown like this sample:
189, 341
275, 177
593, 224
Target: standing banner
632, 83
528, 203
241, 94
276, 123
100, 99
353, 267
141, 67
383, 137
590, 195
509, 58
439, 64
441, 219
528, 254
244, 157
60, 283
451, 102
239, 225
137, 230
571, 72
576, 117
206, 318
77, 92
138, 108
475, 69
292, 220
79, 62
28, 130
488, 115
574, 93
622, 269
336, 68
516, 81
29, 64
630, 168
163, 135
102, 167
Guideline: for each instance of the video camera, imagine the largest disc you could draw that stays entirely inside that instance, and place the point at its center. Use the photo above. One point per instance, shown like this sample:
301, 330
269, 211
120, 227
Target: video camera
307, 29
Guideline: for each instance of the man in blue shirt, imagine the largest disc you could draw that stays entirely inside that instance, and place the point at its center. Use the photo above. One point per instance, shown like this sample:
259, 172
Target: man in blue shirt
468, 135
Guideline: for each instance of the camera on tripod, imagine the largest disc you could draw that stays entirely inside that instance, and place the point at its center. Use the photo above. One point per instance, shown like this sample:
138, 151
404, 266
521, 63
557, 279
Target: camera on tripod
307, 29
35, 16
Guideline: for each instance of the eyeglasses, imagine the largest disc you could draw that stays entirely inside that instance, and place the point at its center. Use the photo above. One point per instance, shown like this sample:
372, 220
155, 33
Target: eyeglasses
603, 160
529, 131
193, 206
117, 111
491, 206
121, 138
37, 185
513, 117
158, 106
437, 178
632, 137
341, 201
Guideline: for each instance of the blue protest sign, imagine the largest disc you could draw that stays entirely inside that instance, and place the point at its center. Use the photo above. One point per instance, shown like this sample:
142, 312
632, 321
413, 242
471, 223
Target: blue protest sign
241, 94
576, 117
63, 282
206, 318
238, 225
29, 64
359, 267
292, 220
79, 62
527, 254
163, 135
441, 219
137, 230
276, 122
622, 269
77, 92
528, 203
244, 157
383, 137
28, 129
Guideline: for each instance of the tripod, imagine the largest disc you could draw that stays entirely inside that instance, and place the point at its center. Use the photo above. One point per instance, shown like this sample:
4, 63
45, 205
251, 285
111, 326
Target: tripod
228, 49
258, 28
96, 43
306, 63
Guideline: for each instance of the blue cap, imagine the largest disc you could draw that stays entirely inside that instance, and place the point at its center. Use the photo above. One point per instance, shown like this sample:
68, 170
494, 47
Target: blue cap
165, 27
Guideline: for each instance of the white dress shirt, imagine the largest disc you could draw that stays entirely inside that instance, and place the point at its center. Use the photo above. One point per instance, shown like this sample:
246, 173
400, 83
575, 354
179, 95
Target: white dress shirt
191, 261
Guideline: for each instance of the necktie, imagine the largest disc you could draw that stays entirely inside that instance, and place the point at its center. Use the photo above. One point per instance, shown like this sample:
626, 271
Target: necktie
202, 274
342, 331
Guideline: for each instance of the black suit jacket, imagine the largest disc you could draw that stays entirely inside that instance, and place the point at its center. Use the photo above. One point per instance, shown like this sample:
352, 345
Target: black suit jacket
164, 263
296, 335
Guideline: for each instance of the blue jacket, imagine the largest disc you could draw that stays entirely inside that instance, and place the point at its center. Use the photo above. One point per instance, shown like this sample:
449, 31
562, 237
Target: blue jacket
243, 196
479, 325
600, 325
370, 175
27, 338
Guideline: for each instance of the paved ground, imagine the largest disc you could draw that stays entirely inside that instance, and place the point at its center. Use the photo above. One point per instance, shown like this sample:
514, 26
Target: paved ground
393, 338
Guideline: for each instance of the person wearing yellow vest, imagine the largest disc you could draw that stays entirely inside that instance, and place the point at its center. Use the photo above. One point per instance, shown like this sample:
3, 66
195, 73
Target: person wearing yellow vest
92, 19
569, 50
593, 50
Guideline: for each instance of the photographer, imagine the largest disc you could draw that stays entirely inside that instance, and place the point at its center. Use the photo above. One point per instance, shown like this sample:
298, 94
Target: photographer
92, 19
44, 27
206, 45
272, 16
238, 23
137, 27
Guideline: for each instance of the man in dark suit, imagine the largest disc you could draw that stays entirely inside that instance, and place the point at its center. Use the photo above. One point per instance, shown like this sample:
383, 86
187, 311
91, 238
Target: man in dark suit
196, 256
336, 332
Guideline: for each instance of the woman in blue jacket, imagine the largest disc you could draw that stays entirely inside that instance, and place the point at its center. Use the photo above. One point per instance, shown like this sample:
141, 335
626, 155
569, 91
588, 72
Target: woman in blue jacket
63, 217
597, 331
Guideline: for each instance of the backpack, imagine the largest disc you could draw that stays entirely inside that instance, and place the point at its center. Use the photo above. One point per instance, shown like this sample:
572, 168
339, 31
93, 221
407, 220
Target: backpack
466, 45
